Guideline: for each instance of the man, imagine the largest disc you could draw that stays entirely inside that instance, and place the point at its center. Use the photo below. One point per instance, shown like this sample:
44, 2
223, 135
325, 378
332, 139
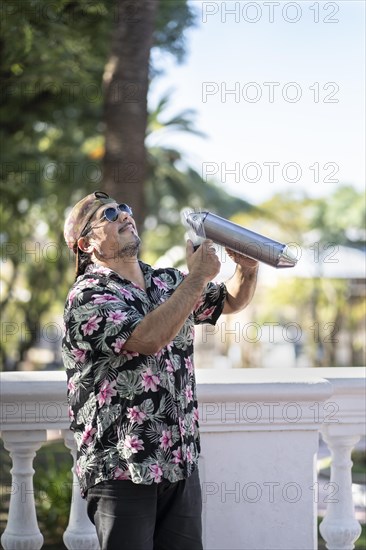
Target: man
128, 351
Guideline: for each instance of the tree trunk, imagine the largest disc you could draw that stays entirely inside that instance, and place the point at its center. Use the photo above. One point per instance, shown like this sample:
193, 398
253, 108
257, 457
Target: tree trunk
126, 85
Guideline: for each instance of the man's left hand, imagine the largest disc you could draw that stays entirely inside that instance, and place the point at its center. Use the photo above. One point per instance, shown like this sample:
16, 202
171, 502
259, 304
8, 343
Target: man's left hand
244, 261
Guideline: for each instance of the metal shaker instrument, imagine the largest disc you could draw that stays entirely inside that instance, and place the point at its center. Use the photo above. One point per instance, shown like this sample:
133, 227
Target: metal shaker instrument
231, 235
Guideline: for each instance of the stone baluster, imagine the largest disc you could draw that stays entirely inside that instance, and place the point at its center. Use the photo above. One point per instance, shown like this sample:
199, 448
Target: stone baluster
80, 533
22, 532
339, 528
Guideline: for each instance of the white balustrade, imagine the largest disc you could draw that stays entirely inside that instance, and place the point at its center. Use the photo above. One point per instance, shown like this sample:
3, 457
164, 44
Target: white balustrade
37, 401
80, 533
259, 442
22, 529
260, 432
340, 528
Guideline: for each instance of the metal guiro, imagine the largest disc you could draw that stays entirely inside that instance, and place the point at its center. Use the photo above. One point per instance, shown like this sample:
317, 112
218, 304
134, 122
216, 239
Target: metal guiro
231, 235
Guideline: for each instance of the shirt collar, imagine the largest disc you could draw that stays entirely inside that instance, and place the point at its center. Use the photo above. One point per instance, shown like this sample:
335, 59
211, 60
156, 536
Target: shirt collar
95, 269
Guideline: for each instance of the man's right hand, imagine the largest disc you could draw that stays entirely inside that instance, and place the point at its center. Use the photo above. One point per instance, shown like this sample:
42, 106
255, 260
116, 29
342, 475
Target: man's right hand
204, 263
160, 326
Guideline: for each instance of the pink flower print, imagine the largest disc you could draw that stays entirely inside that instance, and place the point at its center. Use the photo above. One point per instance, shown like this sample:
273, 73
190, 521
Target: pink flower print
188, 393
168, 347
189, 455
103, 298
156, 472
121, 474
166, 439
135, 414
88, 434
150, 380
71, 414
102, 270
78, 470
107, 391
199, 303
91, 325
169, 365
72, 295
130, 354
192, 426
133, 443
117, 345
116, 316
127, 294
189, 364
196, 414
160, 284
87, 282
178, 459
79, 355
181, 427
206, 313
71, 386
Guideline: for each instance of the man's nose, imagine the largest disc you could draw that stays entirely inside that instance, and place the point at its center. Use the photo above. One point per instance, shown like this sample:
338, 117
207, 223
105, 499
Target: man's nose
123, 216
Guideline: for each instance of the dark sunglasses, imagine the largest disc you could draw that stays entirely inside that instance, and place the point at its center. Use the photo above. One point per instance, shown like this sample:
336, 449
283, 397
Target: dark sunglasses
111, 214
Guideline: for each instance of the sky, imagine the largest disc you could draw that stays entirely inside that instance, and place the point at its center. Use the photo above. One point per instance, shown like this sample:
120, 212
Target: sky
278, 89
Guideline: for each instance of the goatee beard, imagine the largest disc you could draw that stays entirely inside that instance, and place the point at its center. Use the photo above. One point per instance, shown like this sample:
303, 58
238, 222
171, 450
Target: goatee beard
130, 250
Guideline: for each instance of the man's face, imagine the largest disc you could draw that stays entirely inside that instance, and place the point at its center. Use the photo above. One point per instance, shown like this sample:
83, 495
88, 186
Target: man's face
112, 240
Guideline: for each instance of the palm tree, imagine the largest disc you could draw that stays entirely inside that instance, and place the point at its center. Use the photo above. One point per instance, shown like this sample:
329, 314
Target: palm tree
172, 185
126, 85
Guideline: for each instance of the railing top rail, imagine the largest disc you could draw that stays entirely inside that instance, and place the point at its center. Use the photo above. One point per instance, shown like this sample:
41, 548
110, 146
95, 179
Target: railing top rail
35, 385
46, 385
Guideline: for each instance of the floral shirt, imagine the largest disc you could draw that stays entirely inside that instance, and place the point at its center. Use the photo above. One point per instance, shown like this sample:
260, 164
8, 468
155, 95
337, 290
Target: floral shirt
134, 416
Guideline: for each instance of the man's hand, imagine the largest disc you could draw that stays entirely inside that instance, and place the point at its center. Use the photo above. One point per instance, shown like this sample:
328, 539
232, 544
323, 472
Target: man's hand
160, 326
203, 263
242, 285
240, 259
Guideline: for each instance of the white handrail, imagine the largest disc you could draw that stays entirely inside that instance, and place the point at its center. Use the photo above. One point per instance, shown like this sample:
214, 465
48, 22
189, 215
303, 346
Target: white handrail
259, 431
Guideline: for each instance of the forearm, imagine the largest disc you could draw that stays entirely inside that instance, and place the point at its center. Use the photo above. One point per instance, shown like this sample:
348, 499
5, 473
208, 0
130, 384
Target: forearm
241, 288
160, 326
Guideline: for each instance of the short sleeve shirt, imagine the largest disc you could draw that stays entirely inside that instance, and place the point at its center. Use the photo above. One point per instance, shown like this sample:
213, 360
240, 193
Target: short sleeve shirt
134, 416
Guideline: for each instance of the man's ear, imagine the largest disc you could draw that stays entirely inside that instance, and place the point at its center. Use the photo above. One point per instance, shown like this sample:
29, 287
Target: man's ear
85, 245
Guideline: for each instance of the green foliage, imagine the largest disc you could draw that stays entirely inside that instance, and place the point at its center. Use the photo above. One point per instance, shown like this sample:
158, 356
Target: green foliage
359, 466
5, 485
173, 18
51, 71
327, 310
53, 490
172, 185
343, 219
182, 122
52, 486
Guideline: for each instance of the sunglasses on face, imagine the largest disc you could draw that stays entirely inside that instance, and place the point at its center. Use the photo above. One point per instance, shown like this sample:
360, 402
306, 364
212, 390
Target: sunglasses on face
111, 214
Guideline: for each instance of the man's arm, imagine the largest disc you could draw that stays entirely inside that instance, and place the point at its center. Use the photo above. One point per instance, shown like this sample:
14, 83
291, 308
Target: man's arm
242, 285
160, 326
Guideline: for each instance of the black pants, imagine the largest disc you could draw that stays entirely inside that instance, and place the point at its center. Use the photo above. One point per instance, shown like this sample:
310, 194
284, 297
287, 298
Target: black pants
162, 516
